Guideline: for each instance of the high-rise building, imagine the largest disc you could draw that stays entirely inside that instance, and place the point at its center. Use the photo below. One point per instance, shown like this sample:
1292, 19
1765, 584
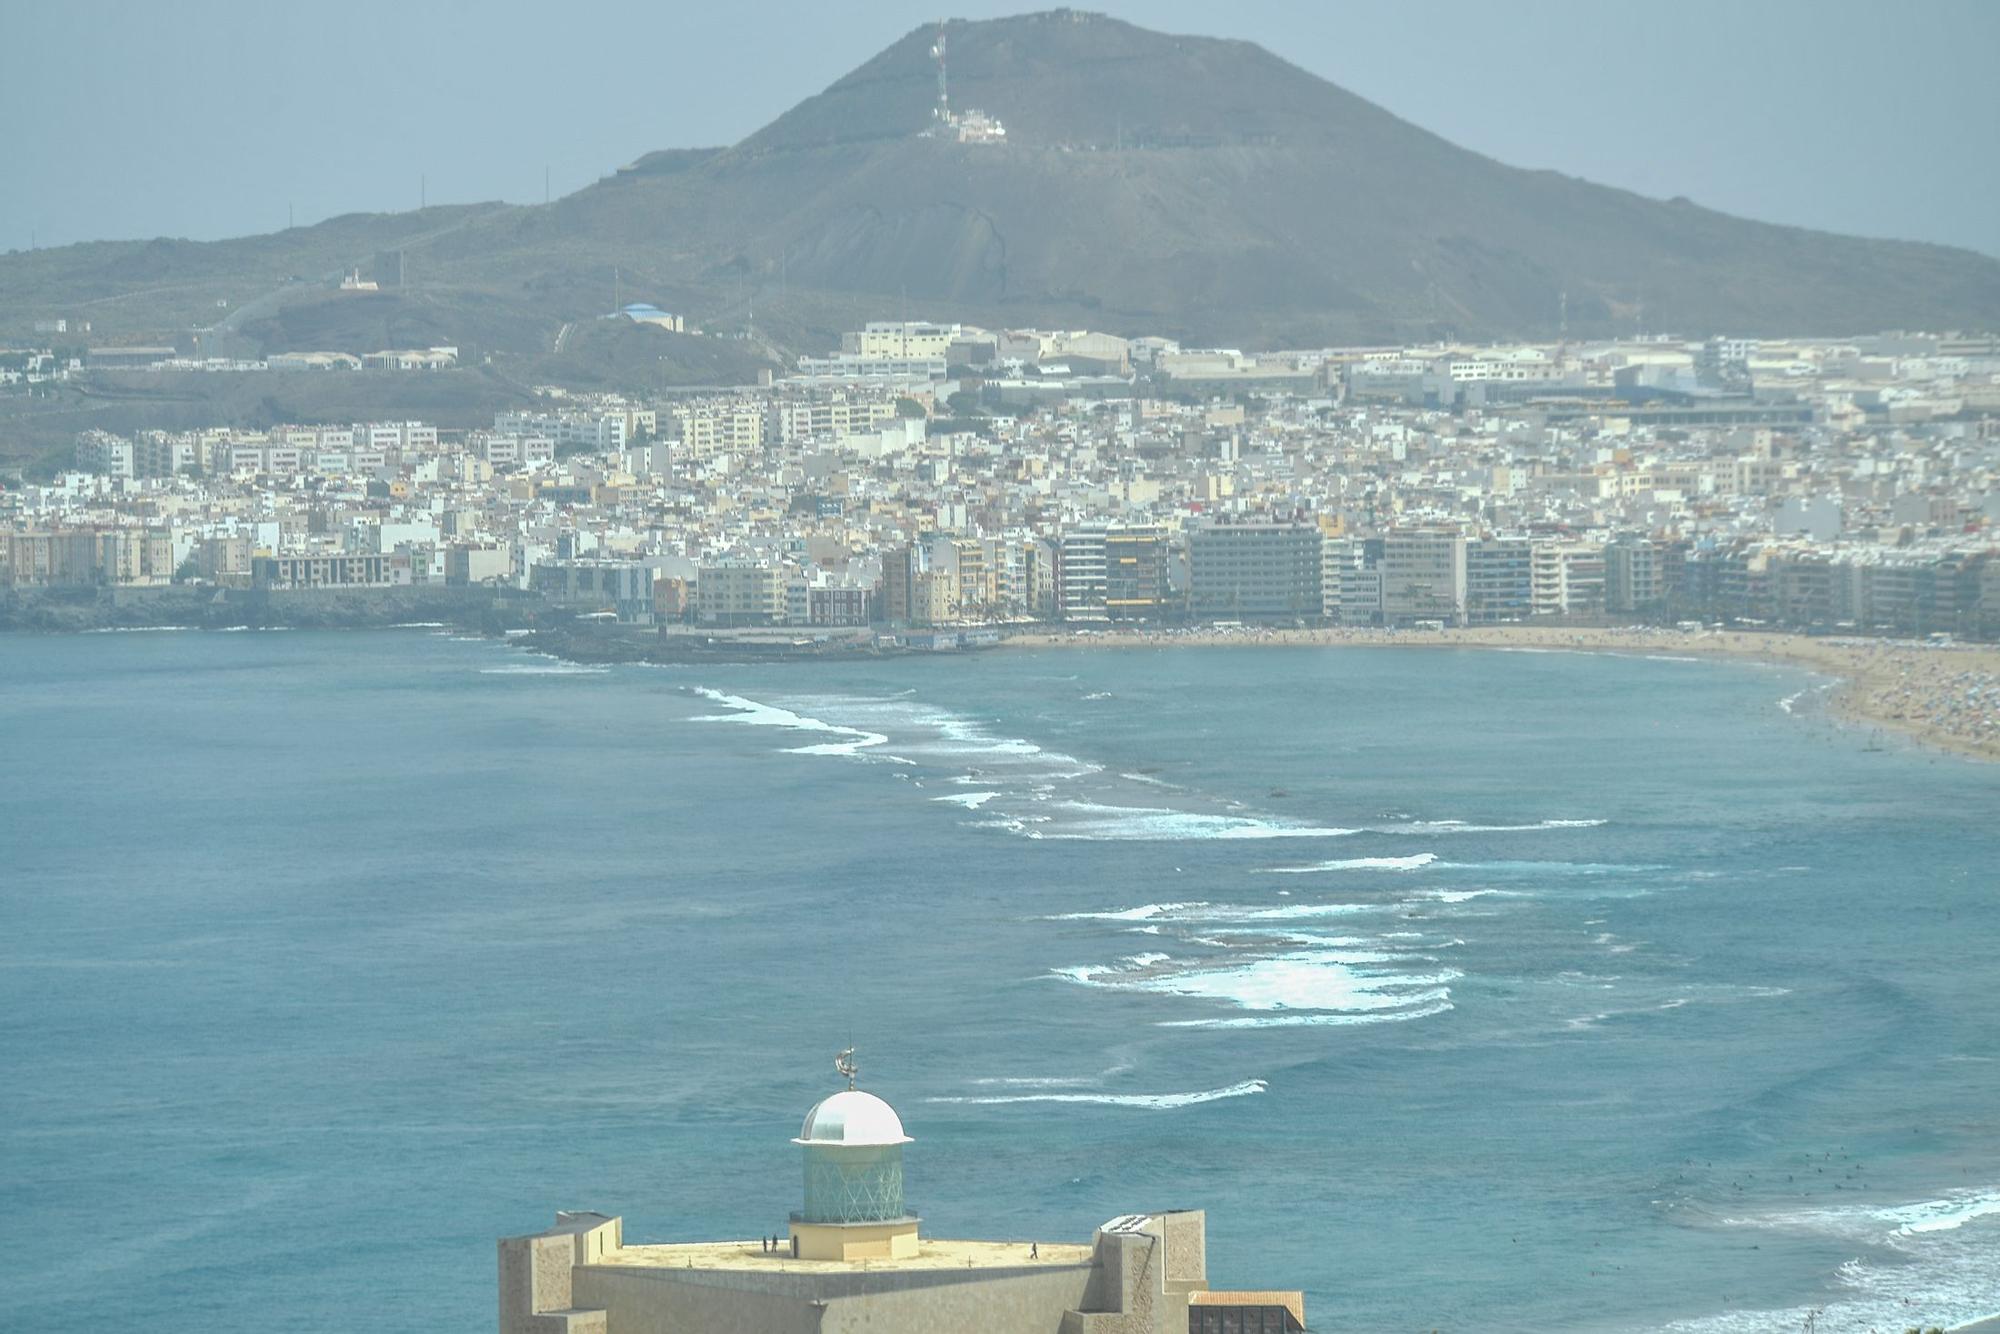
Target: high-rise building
1423, 576
1568, 578
1633, 575
1112, 572
1499, 583
1255, 570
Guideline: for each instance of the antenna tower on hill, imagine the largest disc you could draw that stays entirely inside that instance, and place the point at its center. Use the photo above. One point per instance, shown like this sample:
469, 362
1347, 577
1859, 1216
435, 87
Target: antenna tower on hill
944, 84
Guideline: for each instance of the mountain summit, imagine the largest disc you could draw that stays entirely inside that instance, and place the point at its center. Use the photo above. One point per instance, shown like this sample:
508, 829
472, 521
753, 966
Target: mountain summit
1210, 189
1145, 183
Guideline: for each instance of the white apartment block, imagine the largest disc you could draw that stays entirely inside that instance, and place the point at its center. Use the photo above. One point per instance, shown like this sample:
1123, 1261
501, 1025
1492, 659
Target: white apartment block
901, 340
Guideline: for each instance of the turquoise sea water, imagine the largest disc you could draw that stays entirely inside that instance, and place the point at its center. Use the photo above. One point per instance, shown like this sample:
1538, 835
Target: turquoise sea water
1509, 991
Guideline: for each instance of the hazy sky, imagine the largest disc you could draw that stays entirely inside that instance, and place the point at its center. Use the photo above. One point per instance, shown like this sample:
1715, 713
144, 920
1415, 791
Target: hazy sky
208, 118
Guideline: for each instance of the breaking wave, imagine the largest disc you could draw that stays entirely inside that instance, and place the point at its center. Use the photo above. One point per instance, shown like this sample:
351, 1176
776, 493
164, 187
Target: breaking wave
1413, 862
1102, 823
751, 713
1429, 1011
972, 801
543, 669
1151, 1101
1464, 827
1284, 979
1938, 1268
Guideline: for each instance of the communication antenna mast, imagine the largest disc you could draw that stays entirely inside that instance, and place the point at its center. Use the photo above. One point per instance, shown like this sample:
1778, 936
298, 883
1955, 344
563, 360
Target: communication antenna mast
944, 86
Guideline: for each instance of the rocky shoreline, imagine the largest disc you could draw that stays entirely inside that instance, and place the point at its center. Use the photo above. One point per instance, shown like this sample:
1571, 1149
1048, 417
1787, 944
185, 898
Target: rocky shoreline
187, 607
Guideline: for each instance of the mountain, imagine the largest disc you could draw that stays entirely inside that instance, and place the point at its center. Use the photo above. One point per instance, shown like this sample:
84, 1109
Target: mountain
1189, 186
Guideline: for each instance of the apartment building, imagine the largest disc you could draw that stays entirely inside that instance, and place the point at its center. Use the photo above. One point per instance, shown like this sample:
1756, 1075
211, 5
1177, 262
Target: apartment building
327, 571
716, 429
828, 418
741, 592
1499, 580
1423, 576
1115, 572
1255, 570
1568, 579
1634, 574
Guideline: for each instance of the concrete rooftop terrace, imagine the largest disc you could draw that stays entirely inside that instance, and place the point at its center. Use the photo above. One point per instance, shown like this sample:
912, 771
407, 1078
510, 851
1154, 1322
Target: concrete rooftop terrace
931, 1254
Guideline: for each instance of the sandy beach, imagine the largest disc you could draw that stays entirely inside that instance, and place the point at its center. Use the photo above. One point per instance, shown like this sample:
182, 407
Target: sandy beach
1943, 695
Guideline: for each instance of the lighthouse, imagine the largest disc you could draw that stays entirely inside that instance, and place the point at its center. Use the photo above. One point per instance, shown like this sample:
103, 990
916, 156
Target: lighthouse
853, 1143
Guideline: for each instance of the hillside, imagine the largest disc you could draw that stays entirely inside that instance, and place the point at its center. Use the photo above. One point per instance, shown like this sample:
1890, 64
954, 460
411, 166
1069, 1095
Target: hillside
1149, 183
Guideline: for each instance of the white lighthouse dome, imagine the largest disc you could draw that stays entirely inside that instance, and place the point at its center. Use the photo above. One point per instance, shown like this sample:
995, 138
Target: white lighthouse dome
853, 1119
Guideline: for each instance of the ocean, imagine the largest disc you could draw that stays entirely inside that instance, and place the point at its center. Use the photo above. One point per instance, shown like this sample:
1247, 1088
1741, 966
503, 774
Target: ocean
1499, 990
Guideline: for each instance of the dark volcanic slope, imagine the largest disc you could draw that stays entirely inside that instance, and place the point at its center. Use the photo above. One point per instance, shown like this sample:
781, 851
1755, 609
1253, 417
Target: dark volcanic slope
1171, 184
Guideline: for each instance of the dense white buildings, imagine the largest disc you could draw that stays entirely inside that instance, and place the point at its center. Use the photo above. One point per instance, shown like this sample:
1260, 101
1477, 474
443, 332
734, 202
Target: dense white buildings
1845, 482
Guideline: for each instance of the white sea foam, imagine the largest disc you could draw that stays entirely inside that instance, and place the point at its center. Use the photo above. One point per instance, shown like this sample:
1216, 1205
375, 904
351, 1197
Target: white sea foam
1711, 995
1159, 824
753, 713
1463, 827
934, 732
1314, 1020
1038, 1081
1459, 895
1029, 1082
1345, 950
420, 625
1551, 868
1143, 912
1941, 1272
972, 801
859, 742
1319, 980
543, 669
1152, 1101
1307, 911
1307, 981
1415, 861
1946, 1215
135, 629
